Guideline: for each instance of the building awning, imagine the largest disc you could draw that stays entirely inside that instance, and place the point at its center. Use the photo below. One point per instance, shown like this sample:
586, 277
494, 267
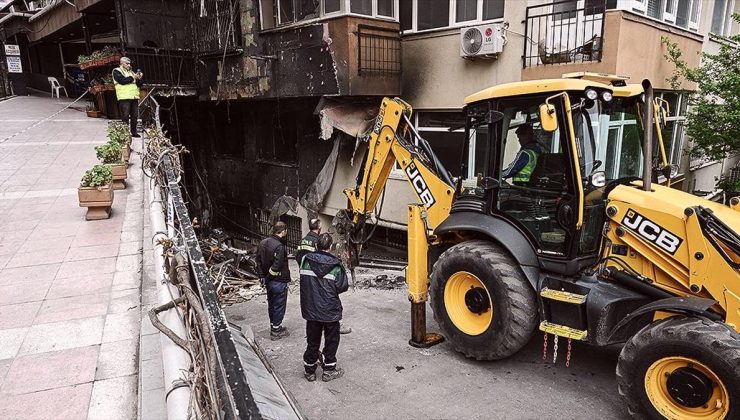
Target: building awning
353, 116
54, 17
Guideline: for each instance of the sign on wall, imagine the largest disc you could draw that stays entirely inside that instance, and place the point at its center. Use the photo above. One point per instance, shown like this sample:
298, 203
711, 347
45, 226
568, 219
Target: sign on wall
14, 64
13, 57
11, 49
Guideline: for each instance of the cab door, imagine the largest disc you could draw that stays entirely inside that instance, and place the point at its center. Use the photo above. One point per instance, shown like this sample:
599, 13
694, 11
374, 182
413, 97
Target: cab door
539, 197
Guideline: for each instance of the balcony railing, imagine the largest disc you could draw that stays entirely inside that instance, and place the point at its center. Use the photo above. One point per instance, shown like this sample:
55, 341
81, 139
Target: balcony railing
166, 68
559, 32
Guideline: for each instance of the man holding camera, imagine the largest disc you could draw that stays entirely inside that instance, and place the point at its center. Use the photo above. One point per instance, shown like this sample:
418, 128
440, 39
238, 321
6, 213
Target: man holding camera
127, 92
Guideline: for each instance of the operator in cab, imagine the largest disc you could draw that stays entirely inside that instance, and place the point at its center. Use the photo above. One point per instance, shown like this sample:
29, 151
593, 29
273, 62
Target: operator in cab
521, 168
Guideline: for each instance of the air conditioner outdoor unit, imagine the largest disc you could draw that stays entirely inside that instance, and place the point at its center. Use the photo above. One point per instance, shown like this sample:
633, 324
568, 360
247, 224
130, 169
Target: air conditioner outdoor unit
484, 41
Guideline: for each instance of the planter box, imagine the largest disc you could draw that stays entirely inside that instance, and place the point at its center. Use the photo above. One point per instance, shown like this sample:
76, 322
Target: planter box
119, 176
94, 114
126, 152
98, 201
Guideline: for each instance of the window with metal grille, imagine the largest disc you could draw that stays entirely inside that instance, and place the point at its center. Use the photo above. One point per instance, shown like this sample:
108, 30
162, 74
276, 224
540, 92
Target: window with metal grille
294, 227
379, 50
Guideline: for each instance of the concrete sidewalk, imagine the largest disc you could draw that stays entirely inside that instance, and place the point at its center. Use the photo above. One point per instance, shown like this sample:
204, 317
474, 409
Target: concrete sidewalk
69, 289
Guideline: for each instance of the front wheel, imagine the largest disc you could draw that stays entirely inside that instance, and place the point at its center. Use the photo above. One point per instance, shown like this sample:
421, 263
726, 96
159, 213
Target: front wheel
681, 368
481, 300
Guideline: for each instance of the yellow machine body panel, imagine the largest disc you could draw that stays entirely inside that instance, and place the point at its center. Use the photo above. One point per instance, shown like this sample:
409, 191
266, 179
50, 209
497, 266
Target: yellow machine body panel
665, 244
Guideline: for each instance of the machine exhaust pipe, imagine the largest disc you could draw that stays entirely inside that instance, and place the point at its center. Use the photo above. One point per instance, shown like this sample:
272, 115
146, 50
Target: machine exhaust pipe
648, 127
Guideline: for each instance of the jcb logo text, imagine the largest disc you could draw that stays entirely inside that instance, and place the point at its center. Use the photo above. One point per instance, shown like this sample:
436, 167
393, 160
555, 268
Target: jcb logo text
650, 230
419, 185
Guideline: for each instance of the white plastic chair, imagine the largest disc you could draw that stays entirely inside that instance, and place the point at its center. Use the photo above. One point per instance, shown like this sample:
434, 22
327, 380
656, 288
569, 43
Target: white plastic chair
55, 86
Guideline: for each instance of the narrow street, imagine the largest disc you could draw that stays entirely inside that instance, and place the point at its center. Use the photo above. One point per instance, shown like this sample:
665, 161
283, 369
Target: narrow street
69, 289
386, 378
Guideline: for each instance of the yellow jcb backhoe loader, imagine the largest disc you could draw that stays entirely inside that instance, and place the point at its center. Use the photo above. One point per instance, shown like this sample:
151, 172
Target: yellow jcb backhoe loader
581, 243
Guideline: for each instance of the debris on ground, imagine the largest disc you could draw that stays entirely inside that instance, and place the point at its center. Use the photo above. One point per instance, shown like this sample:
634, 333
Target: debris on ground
365, 280
233, 269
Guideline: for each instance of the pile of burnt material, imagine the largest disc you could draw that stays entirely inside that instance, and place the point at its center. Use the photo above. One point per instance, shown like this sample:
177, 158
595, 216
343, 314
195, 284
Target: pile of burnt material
232, 267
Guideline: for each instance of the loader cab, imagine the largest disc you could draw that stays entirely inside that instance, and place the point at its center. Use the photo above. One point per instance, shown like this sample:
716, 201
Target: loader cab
543, 155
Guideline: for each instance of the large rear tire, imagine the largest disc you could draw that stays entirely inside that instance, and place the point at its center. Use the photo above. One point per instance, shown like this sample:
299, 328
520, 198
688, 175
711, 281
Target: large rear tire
482, 301
681, 368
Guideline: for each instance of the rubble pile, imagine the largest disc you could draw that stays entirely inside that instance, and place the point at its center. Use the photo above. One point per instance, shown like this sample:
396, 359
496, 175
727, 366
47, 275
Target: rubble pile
367, 279
233, 270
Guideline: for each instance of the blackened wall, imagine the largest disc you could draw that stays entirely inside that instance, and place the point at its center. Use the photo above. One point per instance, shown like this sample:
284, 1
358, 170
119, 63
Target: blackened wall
248, 154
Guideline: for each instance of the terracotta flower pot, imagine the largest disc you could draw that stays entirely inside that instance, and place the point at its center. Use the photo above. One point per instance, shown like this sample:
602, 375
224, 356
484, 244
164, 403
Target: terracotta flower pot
119, 176
98, 201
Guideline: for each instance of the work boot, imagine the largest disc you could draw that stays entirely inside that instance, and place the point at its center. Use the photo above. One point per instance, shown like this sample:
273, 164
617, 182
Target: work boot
343, 329
310, 377
330, 375
136, 135
278, 333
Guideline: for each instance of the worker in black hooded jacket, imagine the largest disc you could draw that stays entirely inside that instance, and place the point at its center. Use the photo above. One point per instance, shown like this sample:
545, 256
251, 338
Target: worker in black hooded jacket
308, 244
272, 267
322, 280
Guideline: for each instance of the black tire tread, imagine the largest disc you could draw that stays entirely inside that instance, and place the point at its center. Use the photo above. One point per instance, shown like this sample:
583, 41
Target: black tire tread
522, 299
710, 335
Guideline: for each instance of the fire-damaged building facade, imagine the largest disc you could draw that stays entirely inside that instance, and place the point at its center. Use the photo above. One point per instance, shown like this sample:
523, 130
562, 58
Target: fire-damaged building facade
285, 89
273, 98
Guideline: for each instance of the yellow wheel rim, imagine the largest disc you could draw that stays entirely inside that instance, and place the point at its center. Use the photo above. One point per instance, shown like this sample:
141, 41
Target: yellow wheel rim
468, 303
657, 388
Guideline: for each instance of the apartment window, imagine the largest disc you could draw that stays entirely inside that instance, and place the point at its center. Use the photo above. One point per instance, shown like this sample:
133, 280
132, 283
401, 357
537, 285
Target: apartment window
564, 9
466, 10
361, 7
332, 6
682, 13
275, 13
722, 17
433, 17
386, 8
655, 8
423, 15
277, 138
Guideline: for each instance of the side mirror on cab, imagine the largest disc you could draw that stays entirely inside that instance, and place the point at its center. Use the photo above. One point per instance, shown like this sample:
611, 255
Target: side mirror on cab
548, 119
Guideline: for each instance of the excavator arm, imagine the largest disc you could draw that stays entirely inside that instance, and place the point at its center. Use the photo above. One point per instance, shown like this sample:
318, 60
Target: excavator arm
391, 141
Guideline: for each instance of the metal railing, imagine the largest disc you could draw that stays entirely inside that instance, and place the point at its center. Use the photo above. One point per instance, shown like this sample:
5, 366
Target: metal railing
167, 68
378, 50
559, 32
215, 26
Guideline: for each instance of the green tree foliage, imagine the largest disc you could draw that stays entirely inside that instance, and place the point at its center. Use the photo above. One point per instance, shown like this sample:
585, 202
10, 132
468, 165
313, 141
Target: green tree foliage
713, 119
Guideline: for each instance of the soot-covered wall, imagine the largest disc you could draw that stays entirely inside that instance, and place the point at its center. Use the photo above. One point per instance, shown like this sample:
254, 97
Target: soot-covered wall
248, 154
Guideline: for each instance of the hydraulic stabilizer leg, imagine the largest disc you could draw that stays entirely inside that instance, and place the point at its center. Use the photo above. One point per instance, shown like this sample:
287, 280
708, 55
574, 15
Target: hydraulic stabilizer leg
417, 277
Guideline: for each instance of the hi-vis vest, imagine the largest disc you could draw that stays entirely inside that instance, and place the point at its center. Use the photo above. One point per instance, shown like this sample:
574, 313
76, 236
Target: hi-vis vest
526, 172
129, 91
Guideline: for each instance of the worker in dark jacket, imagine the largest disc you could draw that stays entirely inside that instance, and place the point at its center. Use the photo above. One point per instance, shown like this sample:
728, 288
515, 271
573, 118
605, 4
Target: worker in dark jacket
308, 244
272, 264
322, 280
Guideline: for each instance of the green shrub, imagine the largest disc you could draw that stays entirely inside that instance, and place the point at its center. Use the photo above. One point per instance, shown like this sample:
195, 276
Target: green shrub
98, 176
118, 132
110, 152
728, 184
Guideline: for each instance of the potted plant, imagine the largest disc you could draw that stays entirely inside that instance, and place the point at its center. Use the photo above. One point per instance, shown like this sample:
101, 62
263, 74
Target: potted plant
111, 154
118, 133
95, 192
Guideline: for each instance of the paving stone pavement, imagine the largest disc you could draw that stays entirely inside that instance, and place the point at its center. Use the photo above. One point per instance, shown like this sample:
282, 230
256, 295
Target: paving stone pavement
70, 289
